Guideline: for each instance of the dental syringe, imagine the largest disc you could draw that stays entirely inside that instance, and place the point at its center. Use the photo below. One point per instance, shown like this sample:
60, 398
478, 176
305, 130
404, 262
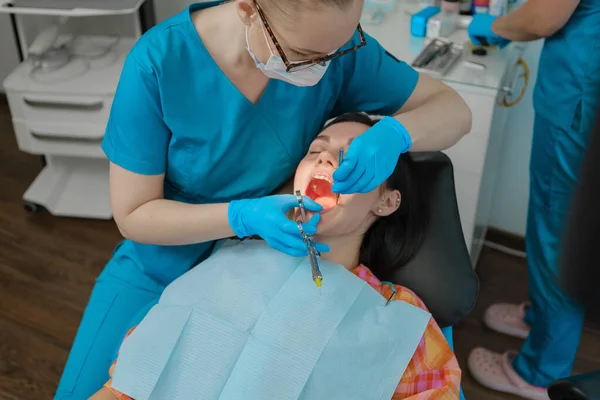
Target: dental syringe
309, 241
340, 160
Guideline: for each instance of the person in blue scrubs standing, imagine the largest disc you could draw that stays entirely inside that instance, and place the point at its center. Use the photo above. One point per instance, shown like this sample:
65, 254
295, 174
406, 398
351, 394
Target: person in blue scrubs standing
215, 108
565, 102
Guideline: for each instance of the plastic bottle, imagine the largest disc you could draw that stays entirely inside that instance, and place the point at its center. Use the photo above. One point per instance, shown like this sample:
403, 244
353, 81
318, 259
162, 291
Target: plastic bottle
498, 8
481, 6
451, 7
466, 6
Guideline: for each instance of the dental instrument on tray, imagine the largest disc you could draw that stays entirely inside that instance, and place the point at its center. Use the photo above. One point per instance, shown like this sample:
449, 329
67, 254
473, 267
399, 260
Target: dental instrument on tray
309, 241
340, 160
438, 57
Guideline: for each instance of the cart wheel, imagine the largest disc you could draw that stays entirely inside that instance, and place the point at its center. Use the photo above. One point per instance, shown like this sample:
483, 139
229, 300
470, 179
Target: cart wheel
30, 207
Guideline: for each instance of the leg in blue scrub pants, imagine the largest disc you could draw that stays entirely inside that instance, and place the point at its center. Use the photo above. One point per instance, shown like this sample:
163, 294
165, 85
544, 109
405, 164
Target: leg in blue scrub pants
555, 320
114, 306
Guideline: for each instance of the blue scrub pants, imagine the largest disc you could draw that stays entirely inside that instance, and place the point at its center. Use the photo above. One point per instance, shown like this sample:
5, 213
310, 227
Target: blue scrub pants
122, 296
555, 319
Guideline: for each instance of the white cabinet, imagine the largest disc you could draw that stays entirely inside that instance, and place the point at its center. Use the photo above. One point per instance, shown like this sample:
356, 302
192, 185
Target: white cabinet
60, 111
64, 120
476, 159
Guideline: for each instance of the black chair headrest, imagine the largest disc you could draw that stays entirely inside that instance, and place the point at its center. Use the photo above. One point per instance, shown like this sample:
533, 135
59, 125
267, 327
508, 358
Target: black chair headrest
441, 273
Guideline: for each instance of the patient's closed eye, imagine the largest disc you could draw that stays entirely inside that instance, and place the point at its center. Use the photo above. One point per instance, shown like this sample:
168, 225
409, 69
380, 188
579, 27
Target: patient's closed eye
316, 149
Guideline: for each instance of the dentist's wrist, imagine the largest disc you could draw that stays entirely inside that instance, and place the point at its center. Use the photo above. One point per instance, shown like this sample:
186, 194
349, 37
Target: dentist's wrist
235, 215
498, 29
403, 137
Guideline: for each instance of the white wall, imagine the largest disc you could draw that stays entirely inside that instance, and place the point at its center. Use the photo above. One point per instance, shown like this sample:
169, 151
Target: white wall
512, 187
165, 9
9, 56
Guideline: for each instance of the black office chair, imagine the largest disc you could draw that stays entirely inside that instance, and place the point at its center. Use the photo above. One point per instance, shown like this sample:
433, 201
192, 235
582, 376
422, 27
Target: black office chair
441, 274
580, 387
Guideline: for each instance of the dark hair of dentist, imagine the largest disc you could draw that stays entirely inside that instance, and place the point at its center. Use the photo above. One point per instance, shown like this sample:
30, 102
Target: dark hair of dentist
214, 109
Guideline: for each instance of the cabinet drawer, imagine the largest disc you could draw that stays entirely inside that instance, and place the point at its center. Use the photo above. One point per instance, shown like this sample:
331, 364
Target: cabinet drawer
467, 194
57, 108
59, 139
469, 153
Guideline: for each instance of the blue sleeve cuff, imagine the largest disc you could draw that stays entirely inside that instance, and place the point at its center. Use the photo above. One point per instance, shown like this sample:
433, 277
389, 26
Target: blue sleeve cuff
406, 81
128, 163
375, 81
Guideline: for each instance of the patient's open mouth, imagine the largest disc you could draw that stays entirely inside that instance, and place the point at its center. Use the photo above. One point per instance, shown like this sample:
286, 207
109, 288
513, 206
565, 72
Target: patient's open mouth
319, 189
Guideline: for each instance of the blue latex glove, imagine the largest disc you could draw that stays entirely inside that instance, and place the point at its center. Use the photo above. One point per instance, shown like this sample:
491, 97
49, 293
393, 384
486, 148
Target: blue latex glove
481, 27
266, 217
372, 157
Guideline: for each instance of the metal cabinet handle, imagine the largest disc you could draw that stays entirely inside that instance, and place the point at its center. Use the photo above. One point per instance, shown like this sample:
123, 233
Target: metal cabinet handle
82, 105
57, 137
507, 90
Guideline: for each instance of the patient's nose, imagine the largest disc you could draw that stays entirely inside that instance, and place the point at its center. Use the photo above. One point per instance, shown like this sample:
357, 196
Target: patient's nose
327, 158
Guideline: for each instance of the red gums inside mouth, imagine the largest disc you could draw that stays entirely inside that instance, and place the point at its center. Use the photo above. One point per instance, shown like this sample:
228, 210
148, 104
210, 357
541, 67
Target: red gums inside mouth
320, 191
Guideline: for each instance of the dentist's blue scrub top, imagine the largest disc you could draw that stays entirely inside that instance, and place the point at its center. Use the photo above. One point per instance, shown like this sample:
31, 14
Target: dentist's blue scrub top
176, 113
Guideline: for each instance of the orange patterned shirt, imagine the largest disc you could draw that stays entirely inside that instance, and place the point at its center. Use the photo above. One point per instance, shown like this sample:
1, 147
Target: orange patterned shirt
433, 372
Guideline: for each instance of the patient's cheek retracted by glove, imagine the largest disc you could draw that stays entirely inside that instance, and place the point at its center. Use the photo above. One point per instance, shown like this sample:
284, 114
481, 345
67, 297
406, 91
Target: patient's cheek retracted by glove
309, 241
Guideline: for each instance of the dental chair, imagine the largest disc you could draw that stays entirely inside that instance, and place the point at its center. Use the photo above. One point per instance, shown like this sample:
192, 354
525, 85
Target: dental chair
441, 273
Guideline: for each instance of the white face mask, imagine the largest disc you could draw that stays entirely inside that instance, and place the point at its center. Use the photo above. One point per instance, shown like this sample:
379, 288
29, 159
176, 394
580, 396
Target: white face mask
275, 68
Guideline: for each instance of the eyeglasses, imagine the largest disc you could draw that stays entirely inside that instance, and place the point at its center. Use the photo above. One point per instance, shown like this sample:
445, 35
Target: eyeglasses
296, 66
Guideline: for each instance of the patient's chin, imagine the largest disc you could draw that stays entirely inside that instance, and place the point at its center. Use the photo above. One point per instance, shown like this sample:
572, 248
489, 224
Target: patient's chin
326, 202
326, 223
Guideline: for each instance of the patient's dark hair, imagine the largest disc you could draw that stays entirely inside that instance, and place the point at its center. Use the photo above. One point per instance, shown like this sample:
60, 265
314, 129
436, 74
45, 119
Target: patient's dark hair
392, 241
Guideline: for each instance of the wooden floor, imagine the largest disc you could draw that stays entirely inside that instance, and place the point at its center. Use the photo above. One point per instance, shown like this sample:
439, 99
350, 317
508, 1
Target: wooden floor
48, 266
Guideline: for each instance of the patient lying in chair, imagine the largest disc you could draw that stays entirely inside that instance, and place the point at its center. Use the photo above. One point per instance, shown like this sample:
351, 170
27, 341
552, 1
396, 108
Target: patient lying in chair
249, 323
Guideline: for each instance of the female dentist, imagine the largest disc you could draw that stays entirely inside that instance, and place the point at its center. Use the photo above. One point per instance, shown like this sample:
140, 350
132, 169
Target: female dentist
214, 110
565, 103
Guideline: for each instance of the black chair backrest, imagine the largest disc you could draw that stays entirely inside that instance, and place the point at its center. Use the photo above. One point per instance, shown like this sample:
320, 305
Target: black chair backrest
441, 274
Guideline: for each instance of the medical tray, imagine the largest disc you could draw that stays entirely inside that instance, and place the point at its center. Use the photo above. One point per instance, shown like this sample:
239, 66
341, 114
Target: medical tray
438, 57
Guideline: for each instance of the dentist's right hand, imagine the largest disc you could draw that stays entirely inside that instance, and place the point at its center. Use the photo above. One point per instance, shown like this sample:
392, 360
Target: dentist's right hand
266, 217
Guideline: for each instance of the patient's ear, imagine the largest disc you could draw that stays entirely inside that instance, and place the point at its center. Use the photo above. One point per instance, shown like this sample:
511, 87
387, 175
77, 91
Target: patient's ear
388, 203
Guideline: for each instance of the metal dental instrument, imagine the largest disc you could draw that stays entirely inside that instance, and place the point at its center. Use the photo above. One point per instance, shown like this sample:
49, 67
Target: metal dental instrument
340, 160
301, 206
309, 241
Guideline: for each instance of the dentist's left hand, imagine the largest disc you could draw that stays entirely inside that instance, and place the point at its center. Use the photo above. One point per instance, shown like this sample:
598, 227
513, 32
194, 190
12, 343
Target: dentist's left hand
372, 157
266, 217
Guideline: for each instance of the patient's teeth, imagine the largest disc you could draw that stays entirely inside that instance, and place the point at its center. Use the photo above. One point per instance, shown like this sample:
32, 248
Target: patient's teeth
323, 177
